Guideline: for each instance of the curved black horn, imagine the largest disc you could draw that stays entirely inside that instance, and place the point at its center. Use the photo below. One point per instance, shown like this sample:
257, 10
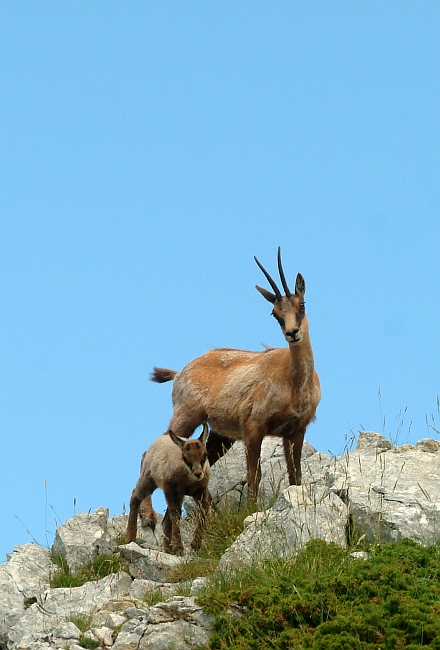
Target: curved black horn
269, 279
281, 272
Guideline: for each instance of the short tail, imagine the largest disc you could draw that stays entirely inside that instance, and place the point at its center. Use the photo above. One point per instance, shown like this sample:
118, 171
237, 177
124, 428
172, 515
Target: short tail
161, 375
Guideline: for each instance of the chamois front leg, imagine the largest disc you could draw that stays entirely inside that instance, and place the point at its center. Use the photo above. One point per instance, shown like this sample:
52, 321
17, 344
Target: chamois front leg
253, 442
171, 523
203, 500
292, 452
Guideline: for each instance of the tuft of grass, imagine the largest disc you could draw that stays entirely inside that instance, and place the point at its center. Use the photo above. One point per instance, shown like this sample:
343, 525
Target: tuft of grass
324, 599
86, 642
84, 622
153, 597
100, 567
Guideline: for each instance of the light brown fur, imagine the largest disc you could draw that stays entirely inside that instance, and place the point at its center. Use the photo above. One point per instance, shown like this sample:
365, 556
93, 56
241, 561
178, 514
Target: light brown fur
179, 467
248, 395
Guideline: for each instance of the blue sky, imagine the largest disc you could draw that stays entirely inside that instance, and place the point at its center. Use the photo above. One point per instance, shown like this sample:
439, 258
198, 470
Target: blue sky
148, 152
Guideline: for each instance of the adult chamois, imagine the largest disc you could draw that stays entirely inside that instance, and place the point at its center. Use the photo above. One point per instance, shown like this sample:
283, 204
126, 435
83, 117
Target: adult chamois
249, 395
180, 467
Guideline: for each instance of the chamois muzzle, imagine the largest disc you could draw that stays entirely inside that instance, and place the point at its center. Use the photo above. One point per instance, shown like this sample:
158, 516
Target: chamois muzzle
294, 336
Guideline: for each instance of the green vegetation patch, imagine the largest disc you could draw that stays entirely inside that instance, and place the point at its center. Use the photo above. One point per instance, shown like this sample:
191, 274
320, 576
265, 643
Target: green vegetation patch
324, 599
100, 567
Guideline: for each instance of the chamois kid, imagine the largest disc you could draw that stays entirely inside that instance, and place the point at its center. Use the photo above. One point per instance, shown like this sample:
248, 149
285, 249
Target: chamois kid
249, 395
179, 467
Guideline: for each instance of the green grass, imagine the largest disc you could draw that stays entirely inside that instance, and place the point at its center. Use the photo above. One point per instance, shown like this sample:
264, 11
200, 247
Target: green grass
101, 566
84, 622
324, 599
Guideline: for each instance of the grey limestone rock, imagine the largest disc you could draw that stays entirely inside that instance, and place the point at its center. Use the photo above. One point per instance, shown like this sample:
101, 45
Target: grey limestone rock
84, 536
179, 623
301, 513
392, 492
55, 606
228, 477
149, 564
22, 579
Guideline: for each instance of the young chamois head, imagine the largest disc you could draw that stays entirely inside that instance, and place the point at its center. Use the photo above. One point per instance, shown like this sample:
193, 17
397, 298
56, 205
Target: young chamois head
289, 310
193, 452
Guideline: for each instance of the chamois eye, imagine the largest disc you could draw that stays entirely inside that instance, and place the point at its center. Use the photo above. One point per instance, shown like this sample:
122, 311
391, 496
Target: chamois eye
279, 319
302, 307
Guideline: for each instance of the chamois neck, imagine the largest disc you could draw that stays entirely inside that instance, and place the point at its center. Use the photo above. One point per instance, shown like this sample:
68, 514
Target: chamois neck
301, 361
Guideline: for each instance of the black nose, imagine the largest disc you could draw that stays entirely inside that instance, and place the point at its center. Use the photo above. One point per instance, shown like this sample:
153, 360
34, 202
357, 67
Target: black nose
292, 333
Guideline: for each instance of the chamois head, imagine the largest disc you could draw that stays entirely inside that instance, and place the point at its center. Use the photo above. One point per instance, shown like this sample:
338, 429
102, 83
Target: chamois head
289, 310
193, 452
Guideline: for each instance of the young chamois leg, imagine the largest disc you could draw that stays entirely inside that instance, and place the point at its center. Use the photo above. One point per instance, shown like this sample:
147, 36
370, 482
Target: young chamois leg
203, 500
142, 491
147, 513
292, 451
166, 530
172, 540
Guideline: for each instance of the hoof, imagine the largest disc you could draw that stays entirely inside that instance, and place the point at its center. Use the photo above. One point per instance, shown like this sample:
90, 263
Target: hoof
177, 550
146, 522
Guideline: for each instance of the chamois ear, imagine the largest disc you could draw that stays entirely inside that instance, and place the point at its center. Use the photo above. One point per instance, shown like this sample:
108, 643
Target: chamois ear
204, 435
271, 297
300, 286
178, 441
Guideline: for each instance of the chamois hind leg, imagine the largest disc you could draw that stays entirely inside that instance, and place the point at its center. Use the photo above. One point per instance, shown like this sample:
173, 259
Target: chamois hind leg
185, 420
147, 513
292, 452
143, 489
172, 540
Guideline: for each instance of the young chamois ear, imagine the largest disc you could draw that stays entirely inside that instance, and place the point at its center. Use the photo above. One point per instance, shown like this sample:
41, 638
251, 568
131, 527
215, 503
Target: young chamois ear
181, 442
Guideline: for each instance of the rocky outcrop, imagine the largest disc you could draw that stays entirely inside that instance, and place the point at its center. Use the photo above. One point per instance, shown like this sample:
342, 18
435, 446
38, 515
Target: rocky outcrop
377, 491
178, 623
228, 477
54, 606
301, 513
23, 578
391, 492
